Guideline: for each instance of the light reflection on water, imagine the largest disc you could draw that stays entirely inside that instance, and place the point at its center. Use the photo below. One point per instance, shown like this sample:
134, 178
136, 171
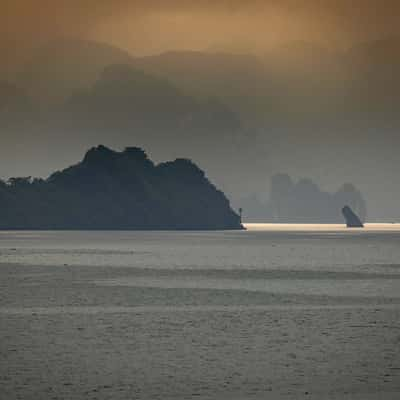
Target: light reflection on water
369, 227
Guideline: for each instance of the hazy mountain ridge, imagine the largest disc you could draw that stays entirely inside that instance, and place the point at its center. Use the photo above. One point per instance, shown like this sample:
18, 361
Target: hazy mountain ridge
303, 202
243, 117
300, 79
127, 104
291, 82
290, 71
64, 66
117, 190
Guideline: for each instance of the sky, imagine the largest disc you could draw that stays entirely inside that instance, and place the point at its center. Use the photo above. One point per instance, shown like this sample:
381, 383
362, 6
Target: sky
149, 27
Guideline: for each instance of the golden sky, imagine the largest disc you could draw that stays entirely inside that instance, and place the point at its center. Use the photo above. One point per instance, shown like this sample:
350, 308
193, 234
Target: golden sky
151, 26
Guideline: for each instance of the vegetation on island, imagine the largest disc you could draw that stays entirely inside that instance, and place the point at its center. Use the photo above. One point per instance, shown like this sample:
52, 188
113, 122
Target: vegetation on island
117, 190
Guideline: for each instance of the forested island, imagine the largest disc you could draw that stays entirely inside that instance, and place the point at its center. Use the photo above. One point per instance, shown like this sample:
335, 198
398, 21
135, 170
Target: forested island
117, 190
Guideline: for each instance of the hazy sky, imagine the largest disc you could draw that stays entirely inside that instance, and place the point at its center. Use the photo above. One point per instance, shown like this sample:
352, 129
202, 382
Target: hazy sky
153, 26
148, 26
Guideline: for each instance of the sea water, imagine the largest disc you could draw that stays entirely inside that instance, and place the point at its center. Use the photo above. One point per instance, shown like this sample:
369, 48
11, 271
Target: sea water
273, 312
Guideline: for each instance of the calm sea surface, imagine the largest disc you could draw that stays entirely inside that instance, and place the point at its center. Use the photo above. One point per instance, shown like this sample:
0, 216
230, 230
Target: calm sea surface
274, 312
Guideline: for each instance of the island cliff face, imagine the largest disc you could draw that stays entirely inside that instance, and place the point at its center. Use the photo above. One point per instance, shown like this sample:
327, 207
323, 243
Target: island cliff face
117, 190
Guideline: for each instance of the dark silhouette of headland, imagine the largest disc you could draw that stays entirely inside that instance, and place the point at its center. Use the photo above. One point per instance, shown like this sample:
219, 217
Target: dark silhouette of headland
117, 190
352, 220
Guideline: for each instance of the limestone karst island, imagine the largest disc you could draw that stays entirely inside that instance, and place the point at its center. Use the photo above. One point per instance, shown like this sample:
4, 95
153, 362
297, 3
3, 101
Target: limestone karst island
117, 190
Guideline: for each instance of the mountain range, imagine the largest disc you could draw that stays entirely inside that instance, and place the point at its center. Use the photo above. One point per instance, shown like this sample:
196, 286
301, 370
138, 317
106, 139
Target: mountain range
299, 74
244, 117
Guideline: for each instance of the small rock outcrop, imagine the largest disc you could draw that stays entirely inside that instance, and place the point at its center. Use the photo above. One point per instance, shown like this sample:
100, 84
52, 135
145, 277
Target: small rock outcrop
352, 220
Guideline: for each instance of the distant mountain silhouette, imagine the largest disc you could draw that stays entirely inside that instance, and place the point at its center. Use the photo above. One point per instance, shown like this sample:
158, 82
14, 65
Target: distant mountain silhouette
127, 95
298, 82
240, 81
117, 190
294, 108
294, 79
212, 73
303, 202
129, 104
63, 66
123, 105
295, 83
375, 80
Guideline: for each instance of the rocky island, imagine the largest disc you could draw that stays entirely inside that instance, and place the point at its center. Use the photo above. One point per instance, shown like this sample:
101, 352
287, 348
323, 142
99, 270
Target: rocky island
117, 190
352, 220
